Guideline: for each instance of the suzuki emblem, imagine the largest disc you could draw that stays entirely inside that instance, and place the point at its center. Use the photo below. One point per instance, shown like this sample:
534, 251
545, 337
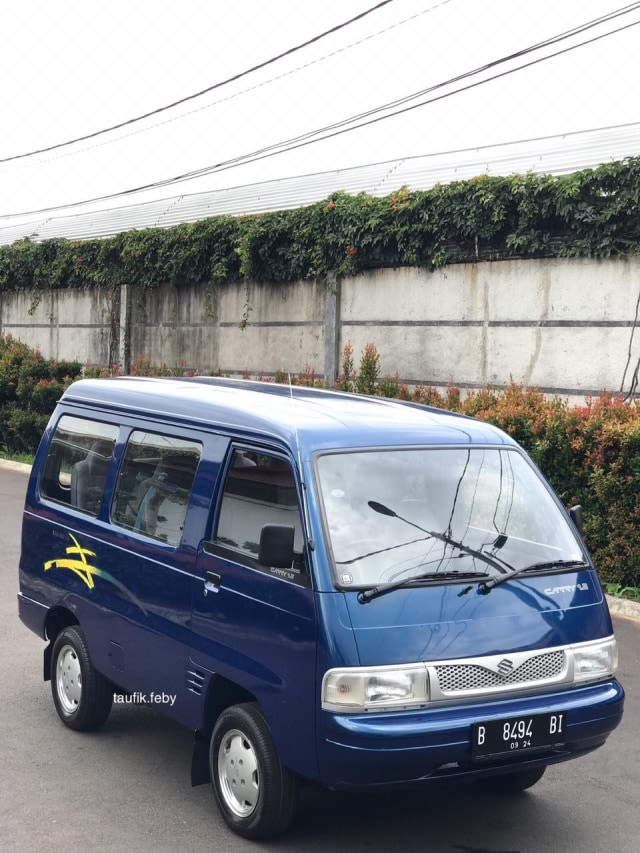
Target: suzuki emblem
505, 667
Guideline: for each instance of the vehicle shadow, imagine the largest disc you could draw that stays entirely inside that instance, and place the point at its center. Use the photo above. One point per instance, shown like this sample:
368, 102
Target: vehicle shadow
458, 818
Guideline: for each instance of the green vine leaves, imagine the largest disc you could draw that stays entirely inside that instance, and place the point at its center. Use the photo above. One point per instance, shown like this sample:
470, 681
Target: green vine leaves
592, 213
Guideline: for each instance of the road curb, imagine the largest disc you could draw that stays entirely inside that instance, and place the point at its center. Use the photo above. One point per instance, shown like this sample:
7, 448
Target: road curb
624, 607
8, 465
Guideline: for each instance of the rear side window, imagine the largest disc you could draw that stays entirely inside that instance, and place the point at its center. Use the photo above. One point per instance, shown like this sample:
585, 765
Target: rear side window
77, 463
154, 485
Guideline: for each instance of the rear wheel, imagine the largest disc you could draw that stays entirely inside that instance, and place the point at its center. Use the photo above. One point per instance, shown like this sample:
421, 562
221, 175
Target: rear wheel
514, 783
256, 795
82, 697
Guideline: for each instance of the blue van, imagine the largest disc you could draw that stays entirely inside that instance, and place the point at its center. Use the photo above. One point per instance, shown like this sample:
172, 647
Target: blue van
328, 588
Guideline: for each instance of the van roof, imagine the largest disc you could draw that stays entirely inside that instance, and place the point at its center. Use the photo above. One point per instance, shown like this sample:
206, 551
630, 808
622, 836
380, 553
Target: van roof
311, 417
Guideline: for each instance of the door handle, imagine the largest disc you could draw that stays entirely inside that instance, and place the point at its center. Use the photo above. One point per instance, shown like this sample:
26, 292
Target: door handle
212, 582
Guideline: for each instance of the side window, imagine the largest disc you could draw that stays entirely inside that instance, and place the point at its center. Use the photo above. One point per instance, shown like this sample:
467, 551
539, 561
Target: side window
154, 485
78, 462
260, 489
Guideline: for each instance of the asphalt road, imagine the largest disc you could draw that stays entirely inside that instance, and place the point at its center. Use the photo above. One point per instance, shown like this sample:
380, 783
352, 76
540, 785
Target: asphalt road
127, 787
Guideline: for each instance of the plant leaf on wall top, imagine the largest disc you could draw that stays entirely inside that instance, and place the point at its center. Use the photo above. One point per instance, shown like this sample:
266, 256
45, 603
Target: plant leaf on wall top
591, 213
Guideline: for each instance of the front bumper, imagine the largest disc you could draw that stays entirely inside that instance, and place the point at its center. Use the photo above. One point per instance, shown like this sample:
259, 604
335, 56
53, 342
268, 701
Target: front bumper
368, 750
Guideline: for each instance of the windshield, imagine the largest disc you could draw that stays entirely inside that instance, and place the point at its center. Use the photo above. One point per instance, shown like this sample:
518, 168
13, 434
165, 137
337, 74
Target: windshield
393, 514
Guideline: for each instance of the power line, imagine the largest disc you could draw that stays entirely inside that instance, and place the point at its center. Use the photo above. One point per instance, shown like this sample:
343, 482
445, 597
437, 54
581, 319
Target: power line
566, 34
301, 142
242, 92
339, 127
211, 88
407, 98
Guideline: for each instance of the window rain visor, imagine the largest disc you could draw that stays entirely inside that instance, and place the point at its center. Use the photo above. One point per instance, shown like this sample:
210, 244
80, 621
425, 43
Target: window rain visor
397, 513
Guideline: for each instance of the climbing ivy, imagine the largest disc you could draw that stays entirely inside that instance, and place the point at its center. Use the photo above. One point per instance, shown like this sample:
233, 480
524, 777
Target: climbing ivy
591, 213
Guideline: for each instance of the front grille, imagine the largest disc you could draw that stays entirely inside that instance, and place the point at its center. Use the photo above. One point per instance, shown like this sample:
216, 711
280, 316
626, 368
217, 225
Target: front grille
460, 677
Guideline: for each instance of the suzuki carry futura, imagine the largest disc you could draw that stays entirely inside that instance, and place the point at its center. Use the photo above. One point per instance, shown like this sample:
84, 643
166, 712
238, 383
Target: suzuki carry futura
322, 587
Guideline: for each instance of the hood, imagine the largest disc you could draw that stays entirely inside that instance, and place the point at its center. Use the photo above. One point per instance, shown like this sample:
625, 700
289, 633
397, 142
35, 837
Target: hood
439, 622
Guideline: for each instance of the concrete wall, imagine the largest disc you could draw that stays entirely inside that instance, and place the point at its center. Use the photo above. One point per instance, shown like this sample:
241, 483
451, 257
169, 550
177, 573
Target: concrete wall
237, 327
564, 325
63, 324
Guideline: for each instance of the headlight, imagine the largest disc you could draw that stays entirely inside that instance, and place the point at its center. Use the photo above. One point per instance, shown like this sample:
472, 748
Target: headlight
375, 688
595, 660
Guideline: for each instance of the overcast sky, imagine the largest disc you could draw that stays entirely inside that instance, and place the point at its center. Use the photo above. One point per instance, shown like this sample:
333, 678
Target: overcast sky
71, 67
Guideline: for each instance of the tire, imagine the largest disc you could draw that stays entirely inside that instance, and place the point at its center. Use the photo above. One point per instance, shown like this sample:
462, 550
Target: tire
514, 783
82, 697
262, 802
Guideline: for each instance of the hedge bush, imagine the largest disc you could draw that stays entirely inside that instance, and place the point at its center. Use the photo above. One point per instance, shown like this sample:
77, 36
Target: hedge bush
30, 385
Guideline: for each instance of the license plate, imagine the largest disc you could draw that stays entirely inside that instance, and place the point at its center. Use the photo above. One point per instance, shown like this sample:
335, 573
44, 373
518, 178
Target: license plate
515, 735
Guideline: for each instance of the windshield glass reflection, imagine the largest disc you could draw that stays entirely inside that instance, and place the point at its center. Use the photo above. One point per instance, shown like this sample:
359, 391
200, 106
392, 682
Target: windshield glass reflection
392, 514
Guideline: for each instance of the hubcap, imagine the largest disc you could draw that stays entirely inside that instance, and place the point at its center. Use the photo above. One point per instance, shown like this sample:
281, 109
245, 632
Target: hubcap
68, 679
238, 773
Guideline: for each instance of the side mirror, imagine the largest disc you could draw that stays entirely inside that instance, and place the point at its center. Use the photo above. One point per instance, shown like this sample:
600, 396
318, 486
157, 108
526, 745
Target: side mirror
276, 546
576, 516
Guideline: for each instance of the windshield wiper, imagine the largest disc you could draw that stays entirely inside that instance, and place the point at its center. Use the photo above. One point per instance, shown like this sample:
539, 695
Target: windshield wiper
499, 564
487, 586
375, 591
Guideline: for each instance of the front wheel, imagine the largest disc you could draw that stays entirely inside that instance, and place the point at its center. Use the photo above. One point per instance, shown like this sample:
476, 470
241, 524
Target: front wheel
514, 783
254, 792
81, 695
